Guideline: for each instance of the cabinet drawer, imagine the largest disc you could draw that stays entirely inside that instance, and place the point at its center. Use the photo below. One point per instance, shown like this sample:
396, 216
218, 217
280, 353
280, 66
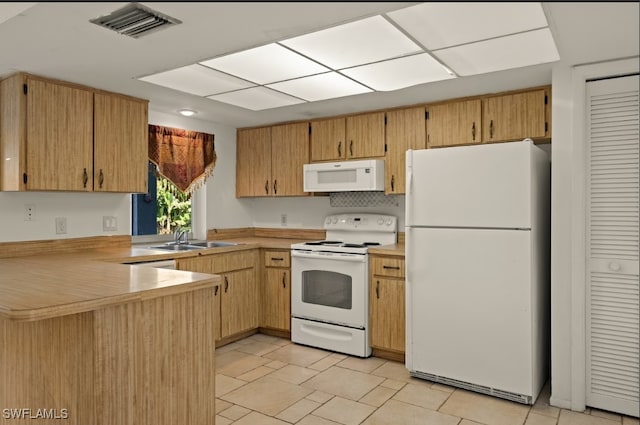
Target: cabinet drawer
387, 266
223, 263
277, 259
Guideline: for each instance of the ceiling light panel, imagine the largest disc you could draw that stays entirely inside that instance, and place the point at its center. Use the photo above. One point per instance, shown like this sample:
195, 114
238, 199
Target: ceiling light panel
256, 98
198, 80
9, 10
357, 43
443, 24
514, 51
266, 64
320, 87
399, 73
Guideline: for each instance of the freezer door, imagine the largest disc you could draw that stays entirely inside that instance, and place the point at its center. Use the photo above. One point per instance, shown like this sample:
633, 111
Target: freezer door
470, 186
469, 306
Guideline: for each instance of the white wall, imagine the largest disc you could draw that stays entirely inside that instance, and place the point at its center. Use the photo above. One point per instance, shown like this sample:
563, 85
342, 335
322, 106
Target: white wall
84, 212
310, 212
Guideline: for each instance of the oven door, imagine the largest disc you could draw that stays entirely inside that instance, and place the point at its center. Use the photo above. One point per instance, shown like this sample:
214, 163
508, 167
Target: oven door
329, 287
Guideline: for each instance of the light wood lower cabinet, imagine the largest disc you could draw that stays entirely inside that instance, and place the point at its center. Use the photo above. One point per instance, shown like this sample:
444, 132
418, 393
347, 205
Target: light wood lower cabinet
237, 299
276, 291
141, 362
387, 306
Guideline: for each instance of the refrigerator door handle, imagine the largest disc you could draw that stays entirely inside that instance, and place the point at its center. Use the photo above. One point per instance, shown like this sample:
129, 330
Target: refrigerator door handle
409, 187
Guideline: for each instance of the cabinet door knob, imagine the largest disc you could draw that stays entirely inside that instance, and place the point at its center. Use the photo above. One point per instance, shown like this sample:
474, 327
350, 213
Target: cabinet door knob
266, 187
393, 183
215, 291
284, 276
377, 289
275, 187
473, 131
85, 178
101, 178
491, 129
226, 284
339, 148
277, 259
351, 148
391, 267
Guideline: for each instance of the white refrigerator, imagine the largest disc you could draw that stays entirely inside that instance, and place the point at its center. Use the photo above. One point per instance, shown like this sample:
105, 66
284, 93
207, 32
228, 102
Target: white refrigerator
477, 258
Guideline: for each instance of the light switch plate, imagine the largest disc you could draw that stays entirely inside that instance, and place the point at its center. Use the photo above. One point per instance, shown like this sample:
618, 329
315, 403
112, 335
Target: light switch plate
109, 223
61, 225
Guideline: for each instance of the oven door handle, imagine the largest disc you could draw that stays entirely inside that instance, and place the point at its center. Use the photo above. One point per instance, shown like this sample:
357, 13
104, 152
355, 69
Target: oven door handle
354, 258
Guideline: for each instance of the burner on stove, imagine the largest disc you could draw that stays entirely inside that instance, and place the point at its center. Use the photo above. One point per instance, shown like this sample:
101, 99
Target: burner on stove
354, 245
322, 243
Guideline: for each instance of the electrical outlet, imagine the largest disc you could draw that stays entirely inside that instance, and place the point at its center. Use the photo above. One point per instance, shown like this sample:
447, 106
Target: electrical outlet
61, 225
109, 223
29, 212
283, 219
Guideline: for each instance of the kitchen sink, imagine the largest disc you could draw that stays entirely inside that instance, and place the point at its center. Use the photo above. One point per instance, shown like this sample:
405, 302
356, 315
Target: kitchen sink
212, 244
174, 247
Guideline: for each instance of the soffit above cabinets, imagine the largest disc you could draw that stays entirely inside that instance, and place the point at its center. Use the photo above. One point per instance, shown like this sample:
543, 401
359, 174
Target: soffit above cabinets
403, 48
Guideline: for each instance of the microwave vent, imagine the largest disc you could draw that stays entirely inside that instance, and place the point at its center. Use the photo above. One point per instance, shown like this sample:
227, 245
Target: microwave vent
135, 20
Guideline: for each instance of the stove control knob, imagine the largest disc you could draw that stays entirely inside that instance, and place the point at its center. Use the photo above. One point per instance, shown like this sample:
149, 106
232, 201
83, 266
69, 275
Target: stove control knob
381, 221
328, 220
388, 222
335, 220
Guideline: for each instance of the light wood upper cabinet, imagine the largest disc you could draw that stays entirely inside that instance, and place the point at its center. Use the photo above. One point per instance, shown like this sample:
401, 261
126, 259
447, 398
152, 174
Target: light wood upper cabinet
365, 136
289, 152
328, 139
270, 159
51, 133
352, 137
47, 135
454, 123
120, 140
253, 162
516, 116
405, 129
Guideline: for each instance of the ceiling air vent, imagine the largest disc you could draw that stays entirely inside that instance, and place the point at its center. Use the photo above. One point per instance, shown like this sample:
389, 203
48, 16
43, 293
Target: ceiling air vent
135, 20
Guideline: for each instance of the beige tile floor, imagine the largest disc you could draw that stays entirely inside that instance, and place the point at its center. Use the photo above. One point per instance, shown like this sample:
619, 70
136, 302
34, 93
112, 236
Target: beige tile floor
263, 380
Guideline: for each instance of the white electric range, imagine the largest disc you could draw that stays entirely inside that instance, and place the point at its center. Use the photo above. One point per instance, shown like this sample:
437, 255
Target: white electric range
330, 282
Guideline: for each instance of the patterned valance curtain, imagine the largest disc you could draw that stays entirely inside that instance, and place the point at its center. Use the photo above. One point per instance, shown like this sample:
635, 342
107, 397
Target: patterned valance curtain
185, 158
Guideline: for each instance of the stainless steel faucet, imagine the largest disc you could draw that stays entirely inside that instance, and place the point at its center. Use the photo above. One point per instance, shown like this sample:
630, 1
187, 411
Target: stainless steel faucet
179, 234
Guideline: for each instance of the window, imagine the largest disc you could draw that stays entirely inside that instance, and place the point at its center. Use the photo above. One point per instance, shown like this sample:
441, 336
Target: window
161, 210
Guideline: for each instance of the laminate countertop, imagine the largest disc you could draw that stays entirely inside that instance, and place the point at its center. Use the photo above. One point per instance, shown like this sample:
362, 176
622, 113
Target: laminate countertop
43, 286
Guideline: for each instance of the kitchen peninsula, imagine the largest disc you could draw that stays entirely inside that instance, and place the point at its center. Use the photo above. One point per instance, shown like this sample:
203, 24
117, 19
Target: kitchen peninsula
90, 342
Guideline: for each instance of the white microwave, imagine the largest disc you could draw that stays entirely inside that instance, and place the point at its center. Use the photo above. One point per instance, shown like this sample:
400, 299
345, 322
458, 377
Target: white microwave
344, 176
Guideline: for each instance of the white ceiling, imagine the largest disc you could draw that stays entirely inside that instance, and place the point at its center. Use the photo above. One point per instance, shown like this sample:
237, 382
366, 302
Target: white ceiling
57, 40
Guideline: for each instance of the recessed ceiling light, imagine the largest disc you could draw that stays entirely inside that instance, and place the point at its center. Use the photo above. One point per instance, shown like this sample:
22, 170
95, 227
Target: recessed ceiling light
357, 43
197, 79
187, 112
399, 73
266, 64
444, 24
320, 87
524, 49
256, 98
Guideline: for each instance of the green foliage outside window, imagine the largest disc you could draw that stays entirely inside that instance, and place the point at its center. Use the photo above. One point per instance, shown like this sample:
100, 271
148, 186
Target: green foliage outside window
174, 208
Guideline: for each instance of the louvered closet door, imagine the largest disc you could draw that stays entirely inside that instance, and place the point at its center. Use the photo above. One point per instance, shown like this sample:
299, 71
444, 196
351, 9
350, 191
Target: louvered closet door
612, 245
